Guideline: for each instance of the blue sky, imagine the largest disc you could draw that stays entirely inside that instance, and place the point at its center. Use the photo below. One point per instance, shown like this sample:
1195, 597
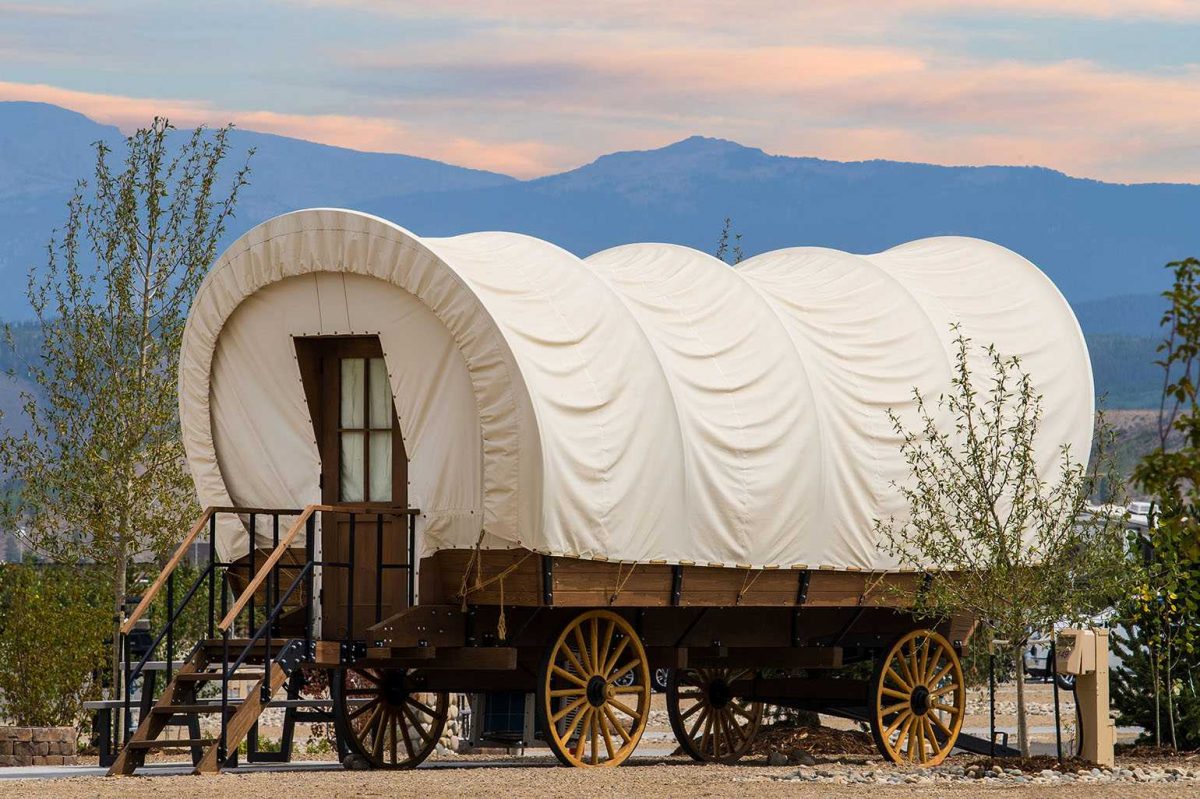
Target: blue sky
1098, 88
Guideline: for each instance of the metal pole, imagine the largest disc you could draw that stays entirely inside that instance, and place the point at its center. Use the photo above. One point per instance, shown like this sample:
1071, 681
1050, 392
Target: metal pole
275, 545
128, 689
412, 554
992, 700
379, 567
1057, 716
222, 752
251, 567
212, 570
350, 585
310, 555
170, 623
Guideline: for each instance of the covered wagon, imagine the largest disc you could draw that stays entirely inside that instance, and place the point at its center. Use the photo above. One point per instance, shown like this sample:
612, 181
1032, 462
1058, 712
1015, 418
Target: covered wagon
482, 464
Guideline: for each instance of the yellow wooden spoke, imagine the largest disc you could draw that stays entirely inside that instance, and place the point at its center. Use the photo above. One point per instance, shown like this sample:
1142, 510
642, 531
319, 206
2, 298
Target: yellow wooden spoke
560, 692
572, 661
626, 669
943, 691
602, 721
606, 641
900, 657
938, 721
945, 707
896, 708
358, 711
379, 736
393, 737
408, 745
585, 656
620, 728
696, 707
931, 735
428, 711
574, 723
610, 662
595, 734
594, 643
937, 678
895, 725
890, 672
623, 708
923, 649
708, 723
425, 732
914, 660
559, 671
894, 694
911, 744
931, 666
627, 689
578, 703
732, 727
921, 739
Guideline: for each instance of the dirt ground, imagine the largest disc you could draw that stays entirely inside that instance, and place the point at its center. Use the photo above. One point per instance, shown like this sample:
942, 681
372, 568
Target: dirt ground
537, 775
645, 780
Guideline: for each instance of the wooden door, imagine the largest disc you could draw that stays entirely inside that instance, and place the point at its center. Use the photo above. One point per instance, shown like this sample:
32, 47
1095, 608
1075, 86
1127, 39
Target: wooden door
363, 464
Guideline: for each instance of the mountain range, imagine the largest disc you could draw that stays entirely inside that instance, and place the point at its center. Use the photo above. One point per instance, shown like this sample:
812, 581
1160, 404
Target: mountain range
1104, 244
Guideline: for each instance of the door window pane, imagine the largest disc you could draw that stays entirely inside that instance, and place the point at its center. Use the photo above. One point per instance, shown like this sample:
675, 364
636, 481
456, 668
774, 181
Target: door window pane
353, 384
352, 462
381, 466
381, 396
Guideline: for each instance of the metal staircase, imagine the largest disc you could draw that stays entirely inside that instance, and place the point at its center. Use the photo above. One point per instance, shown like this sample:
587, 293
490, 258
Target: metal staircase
261, 664
208, 664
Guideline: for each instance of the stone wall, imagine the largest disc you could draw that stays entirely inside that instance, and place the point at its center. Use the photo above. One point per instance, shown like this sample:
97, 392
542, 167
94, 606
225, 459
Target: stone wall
38, 746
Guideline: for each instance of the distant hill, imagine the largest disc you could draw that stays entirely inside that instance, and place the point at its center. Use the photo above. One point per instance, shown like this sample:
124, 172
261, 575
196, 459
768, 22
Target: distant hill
1104, 245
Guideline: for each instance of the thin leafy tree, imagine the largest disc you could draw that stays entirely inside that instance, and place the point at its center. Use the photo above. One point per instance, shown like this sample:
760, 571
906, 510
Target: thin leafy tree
100, 474
729, 245
1165, 607
1015, 549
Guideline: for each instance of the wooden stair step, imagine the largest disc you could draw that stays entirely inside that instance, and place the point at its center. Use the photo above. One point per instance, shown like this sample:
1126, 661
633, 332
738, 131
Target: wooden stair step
167, 743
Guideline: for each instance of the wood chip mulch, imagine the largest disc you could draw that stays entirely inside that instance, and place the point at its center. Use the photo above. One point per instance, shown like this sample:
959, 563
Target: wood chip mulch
814, 740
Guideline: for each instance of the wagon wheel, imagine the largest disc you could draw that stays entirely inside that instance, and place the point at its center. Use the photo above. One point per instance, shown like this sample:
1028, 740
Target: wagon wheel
710, 723
382, 717
918, 699
592, 719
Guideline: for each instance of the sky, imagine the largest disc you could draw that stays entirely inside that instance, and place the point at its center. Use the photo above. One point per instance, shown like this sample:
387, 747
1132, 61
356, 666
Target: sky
1108, 89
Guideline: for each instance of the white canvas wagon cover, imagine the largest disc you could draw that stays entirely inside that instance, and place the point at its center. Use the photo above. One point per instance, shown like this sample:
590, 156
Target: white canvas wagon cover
646, 404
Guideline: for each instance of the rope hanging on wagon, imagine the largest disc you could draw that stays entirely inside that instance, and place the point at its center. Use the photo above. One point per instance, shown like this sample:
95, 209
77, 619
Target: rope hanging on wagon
476, 563
501, 624
621, 582
747, 584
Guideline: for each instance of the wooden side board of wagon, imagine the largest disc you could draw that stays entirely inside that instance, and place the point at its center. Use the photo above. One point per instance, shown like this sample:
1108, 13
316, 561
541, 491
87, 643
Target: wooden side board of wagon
583, 636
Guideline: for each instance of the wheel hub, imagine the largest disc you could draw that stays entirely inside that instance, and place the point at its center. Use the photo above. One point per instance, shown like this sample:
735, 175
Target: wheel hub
719, 694
394, 688
919, 700
597, 691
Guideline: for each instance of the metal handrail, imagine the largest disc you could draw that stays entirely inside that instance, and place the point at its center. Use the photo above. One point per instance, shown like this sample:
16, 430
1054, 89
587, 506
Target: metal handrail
268, 565
285, 543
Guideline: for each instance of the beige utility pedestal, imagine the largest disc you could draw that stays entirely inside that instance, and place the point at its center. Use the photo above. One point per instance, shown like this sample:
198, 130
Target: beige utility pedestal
1084, 653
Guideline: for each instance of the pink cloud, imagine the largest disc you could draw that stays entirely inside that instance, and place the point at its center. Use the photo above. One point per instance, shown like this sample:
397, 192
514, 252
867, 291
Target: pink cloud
377, 134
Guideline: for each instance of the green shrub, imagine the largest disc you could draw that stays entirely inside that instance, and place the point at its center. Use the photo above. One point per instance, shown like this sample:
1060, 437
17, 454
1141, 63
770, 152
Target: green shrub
53, 623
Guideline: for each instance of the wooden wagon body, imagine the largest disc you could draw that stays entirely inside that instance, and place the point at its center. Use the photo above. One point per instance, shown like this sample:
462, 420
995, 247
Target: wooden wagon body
480, 464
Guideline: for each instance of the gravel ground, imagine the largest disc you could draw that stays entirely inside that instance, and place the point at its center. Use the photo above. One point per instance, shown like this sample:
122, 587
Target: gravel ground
646, 780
